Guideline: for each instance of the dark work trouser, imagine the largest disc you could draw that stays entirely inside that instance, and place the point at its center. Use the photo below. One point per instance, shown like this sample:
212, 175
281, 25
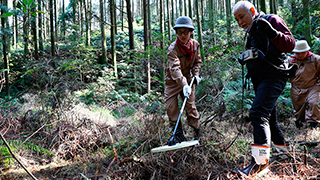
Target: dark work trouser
263, 112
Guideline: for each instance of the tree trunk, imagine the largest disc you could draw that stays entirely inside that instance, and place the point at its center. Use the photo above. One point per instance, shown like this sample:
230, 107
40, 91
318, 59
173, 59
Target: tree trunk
88, 43
180, 8
55, 19
190, 8
254, 3
212, 20
40, 17
139, 7
263, 5
273, 7
15, 22
106, 9
131, 34
103, 37
185, 8
228, 14
176, 8
149, 24
25, 34
74, 10
4, 47
132, 10
131, 40
115, 16
172, 13
162, 70
199, 25
121, 13
169, 20
81, 17
34, 34
221, 8
202, 11
64, 26
113, 36
307, 26
90, 15
45, 22
52, 29
161, 25
294, 12
146, 41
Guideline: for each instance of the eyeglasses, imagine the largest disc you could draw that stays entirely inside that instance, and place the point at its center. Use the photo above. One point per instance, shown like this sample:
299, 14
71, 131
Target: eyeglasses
186, 32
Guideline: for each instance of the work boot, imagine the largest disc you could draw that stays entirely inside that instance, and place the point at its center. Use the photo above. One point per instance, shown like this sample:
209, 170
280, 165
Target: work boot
251, 169
178, 137
260, 157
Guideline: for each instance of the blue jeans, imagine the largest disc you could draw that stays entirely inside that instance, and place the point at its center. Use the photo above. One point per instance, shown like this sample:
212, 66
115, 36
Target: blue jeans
263, 112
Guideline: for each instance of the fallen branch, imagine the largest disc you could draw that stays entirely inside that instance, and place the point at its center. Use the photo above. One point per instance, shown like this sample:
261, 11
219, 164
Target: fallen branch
16, 158
114, 150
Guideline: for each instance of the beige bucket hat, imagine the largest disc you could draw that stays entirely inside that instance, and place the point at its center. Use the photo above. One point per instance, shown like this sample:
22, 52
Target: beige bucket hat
301, 46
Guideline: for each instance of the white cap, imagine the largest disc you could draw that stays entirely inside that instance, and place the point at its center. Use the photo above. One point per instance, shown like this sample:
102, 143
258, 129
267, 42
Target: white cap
301, 46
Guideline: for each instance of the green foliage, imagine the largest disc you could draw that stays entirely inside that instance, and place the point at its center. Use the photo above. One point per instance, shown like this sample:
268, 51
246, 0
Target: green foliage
7, 14
284, 104
124, 146
27, 5
316, 45
6, 158
122, 41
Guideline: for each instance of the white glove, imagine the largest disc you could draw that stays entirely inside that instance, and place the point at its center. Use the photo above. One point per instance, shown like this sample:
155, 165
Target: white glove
186, 90
198, 79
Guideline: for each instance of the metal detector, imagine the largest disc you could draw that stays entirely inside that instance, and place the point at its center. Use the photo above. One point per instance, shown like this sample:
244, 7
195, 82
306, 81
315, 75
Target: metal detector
184, 143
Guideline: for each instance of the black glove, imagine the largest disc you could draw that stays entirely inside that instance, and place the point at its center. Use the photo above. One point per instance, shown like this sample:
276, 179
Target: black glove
265, 27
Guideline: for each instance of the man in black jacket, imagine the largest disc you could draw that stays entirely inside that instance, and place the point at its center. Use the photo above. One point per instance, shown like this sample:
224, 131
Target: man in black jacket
268, 40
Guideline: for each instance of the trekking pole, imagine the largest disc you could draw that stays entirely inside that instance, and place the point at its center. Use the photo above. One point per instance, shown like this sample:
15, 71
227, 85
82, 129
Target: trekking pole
182, 107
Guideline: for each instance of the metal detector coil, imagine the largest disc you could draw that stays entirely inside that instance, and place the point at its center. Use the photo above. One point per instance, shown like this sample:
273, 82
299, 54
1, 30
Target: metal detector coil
176, 146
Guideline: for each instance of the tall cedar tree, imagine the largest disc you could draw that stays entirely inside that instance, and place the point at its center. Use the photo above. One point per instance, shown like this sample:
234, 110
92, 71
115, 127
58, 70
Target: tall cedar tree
5, 45
146, 41
103, 37
113, 36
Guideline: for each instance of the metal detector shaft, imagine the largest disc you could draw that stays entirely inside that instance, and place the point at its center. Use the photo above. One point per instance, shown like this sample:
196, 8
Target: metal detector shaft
182, 107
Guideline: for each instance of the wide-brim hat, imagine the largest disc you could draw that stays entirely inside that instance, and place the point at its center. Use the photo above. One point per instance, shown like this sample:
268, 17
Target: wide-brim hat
301, 46
183, 22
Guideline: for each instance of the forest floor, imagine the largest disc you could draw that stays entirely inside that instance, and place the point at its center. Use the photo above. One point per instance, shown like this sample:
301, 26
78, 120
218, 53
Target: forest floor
120, 149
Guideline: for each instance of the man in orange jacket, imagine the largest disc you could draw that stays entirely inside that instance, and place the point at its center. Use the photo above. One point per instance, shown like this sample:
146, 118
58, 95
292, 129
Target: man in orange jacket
184, 62
305, 90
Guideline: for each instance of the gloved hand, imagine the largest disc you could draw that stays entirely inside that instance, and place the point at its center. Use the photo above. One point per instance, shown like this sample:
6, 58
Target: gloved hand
265, 27
186, 90
197, 79
241, 59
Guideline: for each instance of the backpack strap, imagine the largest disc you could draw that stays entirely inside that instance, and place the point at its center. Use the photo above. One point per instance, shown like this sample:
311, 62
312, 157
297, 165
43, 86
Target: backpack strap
267, 16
